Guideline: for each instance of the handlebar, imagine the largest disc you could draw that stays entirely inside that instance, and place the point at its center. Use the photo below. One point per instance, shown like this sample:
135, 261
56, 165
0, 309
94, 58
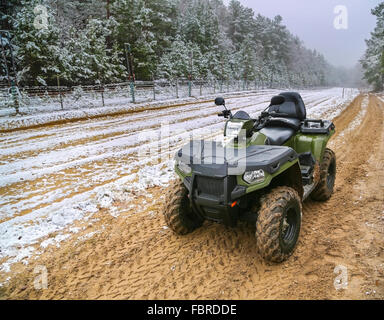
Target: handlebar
225, 114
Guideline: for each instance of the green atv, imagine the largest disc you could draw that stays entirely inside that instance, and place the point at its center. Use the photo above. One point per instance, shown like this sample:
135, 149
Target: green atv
260, 172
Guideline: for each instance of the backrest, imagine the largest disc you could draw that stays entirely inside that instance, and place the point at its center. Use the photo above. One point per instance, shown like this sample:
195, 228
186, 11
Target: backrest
290, 103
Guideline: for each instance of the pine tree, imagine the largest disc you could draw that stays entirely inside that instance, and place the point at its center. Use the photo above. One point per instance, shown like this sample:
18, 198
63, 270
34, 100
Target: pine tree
40, 58
90, 59
373, 59
182, 60
147, 26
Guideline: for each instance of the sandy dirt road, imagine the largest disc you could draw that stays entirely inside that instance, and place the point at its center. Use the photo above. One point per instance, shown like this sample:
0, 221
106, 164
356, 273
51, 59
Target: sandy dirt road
133, 256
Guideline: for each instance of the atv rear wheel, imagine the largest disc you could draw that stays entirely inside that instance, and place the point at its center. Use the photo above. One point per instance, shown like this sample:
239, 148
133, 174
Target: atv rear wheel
278, 224
178, 213
324, 189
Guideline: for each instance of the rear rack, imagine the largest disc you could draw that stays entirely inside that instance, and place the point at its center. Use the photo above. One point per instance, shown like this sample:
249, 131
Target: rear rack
317, 126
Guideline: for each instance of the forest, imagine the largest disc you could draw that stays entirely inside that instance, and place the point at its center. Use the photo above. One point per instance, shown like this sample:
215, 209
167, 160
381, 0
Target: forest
373, 59
89, 41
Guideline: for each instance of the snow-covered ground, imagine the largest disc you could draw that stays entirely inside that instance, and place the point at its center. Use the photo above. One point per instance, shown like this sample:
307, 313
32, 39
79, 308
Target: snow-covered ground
52, 176
38, 110
89, 107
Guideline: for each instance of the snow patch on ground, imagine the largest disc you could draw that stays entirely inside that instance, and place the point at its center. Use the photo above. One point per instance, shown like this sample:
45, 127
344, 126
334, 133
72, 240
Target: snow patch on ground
49, 114
359, 118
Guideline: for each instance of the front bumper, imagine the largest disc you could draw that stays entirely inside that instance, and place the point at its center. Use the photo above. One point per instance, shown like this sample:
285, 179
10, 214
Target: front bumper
212, 198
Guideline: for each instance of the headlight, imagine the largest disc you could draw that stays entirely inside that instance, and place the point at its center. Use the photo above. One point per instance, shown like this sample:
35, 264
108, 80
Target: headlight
255, 176
184, 167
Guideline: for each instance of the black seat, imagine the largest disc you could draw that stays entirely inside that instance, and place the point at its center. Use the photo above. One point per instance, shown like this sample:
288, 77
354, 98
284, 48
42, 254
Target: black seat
284, 123
280, 128
277, 136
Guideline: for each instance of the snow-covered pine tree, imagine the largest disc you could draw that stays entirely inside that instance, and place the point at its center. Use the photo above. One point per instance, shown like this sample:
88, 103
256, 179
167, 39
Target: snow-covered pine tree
182, 59
148, 27
39, 56
373, 59
90, 60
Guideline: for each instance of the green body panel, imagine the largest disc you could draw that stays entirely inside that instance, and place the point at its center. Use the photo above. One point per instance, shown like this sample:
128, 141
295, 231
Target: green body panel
315, 143
257, 139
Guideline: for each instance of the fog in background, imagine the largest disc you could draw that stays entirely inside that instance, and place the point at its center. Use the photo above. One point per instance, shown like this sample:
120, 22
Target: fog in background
312, 21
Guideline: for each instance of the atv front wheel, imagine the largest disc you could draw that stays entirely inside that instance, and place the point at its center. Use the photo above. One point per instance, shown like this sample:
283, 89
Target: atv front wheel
278, 224
324, 189
178, 213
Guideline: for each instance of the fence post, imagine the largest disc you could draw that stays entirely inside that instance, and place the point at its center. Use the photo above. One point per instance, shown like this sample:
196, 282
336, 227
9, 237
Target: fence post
61, 98
154, 88
14, 92
102, 93
132, 86
189, 87
177, 88
214, 86
201, 88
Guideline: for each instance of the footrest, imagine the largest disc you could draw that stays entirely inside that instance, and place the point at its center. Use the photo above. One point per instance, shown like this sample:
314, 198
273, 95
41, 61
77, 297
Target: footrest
305, 170
306, 174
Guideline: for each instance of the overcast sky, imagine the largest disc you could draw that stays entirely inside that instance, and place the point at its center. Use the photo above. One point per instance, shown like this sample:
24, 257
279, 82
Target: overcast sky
313, 22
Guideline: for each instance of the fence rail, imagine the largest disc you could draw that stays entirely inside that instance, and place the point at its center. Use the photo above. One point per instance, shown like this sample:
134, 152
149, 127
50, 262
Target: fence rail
68, 97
